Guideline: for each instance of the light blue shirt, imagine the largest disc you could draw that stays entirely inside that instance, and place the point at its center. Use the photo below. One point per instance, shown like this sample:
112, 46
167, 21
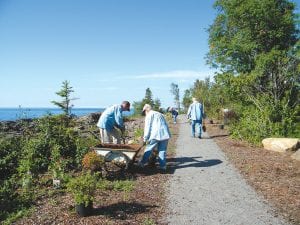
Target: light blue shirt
111, 117
156, 127
195, 111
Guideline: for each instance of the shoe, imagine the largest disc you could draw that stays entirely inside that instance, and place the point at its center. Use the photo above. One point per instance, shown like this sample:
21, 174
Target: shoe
199, 137
163, 169
140, 164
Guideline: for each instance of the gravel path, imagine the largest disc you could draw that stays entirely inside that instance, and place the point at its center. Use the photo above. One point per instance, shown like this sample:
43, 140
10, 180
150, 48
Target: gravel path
206, 189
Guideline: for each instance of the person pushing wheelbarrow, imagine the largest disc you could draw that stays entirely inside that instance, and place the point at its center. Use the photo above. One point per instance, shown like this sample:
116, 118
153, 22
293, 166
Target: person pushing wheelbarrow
156, 134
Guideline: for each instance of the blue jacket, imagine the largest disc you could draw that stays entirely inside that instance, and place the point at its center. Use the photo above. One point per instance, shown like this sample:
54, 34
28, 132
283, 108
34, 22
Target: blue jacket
156, 127
111, 117
195, 111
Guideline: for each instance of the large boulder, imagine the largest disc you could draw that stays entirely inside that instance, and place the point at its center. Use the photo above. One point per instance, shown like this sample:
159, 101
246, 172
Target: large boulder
281, 144
296, 155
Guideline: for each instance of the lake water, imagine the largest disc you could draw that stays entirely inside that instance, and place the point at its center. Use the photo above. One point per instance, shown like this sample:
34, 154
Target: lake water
26, 113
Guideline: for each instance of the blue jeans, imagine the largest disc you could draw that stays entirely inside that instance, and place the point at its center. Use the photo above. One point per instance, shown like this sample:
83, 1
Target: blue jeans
196, 124
161, 147
174, 118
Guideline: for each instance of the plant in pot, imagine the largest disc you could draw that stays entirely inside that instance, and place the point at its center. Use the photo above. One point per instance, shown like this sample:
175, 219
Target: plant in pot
82, 188
92, 161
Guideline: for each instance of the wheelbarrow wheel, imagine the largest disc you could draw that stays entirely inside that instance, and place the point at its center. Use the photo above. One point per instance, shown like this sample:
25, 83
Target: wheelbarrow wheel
116, 162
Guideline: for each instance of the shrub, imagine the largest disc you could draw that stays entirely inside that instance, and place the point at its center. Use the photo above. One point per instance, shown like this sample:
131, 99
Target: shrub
36, 154
10, 149
83, 188
83, 146
92, 161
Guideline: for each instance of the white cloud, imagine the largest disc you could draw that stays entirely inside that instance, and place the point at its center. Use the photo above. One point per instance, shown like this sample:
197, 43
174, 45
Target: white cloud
176, 74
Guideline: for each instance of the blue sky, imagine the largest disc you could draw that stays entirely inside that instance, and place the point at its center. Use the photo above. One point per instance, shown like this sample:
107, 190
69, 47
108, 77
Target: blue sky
109, 50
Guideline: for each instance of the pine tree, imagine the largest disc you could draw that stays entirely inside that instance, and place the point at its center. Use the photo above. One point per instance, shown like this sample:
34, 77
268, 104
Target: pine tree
65, 94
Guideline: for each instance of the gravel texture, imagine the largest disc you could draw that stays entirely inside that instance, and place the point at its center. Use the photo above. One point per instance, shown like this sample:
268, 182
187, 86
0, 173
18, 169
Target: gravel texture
206, 189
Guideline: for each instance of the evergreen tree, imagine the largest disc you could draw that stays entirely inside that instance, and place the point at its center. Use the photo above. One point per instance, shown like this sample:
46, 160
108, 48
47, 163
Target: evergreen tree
65, 94
148, 99
157, 105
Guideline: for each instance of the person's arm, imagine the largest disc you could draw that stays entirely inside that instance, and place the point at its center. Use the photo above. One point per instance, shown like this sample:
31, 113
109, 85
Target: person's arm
119, 118
189, 112
147, 129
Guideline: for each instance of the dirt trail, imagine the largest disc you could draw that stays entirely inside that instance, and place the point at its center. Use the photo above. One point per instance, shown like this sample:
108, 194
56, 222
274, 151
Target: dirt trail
206, 189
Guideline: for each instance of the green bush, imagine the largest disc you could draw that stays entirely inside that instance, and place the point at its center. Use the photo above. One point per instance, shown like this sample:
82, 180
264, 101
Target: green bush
82, 188
83, 146
269, 120
10, 149
36, 154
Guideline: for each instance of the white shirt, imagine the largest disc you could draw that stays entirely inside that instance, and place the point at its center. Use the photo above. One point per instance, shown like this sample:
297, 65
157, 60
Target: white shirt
156, 127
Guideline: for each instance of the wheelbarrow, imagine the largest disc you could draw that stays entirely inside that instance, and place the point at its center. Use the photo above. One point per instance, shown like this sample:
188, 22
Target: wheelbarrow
118, 156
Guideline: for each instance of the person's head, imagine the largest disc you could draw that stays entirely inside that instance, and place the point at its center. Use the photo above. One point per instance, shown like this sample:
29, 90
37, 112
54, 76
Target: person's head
146, 109
194, 99
125, 106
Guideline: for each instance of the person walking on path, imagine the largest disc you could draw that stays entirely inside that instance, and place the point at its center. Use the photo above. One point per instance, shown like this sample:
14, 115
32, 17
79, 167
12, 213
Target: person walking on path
110, 120
195, 114
174, 113
156, 133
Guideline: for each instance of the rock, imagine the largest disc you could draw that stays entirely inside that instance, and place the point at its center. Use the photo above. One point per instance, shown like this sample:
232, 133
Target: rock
281, 144
90, 119
296, 155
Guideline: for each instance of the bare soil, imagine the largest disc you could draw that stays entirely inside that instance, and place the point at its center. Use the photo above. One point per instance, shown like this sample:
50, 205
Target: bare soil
275, 176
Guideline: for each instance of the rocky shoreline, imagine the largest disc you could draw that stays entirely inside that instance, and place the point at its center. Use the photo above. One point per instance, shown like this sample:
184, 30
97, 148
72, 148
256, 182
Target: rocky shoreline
86, 125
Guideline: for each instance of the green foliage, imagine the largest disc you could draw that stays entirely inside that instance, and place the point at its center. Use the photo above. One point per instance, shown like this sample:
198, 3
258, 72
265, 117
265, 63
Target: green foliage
83, 146
243, 30
12, 201
35, 157
123, 185
148, 221
23, 212
187, 99
118, 185
10, 148
148, 99
257, 53
57, 164
83, 188
138, 134
157, 105
65, 94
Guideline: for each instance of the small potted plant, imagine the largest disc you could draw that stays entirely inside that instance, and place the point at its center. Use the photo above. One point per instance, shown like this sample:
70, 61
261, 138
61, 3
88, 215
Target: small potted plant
82, 189
93, 162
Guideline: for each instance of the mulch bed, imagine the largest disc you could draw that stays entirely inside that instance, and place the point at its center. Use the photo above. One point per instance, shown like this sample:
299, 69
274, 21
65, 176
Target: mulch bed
144, 205
275, 176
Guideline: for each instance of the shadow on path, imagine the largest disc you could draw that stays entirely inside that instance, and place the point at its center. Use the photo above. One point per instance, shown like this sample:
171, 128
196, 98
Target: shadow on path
176, 163
185, 162
215, 136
